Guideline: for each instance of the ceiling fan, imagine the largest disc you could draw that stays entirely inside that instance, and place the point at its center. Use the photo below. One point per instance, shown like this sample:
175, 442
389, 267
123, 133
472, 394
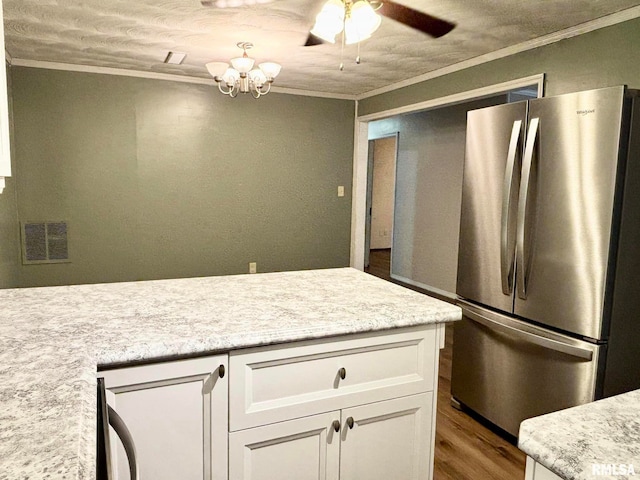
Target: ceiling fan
360, 18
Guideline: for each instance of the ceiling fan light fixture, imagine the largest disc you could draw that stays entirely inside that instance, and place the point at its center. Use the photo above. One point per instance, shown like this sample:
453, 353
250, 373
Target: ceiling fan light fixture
361, 22
352, 33
330, 21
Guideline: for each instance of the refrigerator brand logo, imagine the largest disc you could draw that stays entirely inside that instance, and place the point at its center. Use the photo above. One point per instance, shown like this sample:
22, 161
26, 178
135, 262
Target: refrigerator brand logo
586, 111
609, 469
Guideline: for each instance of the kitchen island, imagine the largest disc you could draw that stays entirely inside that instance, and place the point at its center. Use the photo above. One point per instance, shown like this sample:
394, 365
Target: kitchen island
596, 440
54, 339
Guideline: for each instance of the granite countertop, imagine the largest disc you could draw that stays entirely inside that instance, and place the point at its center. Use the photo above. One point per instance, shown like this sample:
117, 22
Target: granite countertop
53, 339
570, 442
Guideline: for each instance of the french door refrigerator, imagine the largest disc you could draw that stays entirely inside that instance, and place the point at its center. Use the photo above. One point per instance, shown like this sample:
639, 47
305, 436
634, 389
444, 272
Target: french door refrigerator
549, 255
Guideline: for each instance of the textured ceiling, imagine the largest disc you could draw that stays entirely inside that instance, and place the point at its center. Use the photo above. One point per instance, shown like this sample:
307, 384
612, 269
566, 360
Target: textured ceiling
137, 34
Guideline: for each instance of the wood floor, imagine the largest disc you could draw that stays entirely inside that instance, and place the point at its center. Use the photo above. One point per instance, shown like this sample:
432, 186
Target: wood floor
465, 449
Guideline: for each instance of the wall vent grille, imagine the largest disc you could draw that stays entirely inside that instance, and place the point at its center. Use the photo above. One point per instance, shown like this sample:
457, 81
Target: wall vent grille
44, 242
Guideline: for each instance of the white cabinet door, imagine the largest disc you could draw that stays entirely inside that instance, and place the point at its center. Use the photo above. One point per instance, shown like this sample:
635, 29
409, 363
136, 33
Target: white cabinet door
5, 154
177, 415
388, 440
307, 448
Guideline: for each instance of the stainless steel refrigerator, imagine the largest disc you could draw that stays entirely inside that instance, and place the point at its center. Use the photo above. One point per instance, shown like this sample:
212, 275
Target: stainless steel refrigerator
549, 255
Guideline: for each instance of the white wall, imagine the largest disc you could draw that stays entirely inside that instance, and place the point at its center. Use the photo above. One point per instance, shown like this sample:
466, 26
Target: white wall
384, 176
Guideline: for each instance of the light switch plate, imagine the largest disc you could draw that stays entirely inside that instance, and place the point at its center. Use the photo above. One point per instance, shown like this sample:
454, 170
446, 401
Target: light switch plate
253, 267
340, 191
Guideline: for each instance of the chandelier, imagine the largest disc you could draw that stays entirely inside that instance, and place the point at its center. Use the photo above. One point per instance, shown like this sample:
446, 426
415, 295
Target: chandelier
357, 19
241, 77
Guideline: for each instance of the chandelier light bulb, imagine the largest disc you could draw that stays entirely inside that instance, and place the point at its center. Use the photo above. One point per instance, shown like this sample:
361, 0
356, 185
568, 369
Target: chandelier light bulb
258, 77
231, 76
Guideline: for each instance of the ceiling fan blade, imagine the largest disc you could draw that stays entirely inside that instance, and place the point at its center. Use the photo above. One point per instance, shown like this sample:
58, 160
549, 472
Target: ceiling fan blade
436, 27
312, 40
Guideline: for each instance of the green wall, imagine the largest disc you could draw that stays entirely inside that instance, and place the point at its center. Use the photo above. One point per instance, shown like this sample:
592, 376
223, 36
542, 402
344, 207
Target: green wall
604, 57
9, 234
161, 179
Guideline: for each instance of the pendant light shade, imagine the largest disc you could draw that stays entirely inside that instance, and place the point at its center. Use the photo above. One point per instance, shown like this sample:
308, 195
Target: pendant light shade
217, 69
242, 64
270, 69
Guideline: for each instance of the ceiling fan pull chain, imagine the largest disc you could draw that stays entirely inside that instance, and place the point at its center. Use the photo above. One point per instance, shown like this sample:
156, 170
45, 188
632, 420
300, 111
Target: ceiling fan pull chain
342, 52
358, 55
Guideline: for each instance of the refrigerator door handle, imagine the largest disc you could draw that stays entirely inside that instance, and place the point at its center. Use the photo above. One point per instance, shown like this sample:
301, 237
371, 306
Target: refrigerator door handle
506, 253
549, 343
521, 277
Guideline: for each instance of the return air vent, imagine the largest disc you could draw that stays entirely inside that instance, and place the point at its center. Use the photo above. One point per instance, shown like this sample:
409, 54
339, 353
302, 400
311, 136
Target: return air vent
44, 242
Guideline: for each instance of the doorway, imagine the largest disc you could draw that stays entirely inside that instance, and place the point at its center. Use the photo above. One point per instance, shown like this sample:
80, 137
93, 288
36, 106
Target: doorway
533, 84
381, 183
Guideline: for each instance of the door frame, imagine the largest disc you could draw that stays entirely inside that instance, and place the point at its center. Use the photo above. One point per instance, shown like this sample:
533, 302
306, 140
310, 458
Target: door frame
361, 150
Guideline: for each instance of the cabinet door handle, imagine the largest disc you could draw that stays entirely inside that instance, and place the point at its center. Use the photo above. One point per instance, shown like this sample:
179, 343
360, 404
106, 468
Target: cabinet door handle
127, 441
350, 422
221, 371
342, 373
336, 425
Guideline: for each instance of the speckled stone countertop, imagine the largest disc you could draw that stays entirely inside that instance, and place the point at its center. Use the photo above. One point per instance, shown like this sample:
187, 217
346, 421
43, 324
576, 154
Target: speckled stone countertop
570, 442
53, 339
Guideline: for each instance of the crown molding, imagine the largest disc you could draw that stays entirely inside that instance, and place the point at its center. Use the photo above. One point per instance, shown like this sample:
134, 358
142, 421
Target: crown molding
607, 21
20, 62
310, 93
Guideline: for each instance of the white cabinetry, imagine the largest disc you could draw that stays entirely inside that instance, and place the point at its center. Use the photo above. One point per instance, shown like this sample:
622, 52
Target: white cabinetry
177, 415
345, 408
5, 153
535, 471
349, 408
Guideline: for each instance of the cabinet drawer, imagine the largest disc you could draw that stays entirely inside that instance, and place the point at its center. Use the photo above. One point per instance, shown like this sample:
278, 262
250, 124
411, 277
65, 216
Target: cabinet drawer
271, 384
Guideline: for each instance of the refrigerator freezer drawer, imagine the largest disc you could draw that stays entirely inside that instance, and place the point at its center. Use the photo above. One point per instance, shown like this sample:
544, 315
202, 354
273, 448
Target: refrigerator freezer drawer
507, 370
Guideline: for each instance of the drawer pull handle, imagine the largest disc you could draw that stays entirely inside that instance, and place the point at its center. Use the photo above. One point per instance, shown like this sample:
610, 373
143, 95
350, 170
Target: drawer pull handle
350, 422
221, 371
336, 425
343, 373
